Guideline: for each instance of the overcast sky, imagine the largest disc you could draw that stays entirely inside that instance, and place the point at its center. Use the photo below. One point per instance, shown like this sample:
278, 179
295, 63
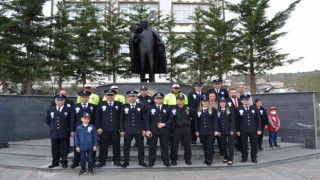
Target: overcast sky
303, 36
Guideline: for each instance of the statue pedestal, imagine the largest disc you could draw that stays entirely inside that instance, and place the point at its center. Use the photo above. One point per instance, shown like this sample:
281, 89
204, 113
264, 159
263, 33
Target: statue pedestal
153, 88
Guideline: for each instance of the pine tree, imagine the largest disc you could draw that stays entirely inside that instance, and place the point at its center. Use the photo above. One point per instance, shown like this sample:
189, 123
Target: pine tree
256, 52
113, 34
86, 64
25, 34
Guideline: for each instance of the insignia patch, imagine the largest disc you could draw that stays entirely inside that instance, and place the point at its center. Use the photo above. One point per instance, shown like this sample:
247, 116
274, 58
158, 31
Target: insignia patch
77, 109
252, 111
164, 111
261, 112
138, 109
229, 104
91, 108
89, 129
153, 111
52, 114
194, 96
187, 111
126, 110
222, 92
68, 105
174, 111
228, 112
66, 113
149, 100
116, 107
104, 108
199, 114
241, 112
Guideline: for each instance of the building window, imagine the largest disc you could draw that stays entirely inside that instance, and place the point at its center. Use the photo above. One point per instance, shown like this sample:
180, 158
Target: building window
183, 12
73, 6
128, 8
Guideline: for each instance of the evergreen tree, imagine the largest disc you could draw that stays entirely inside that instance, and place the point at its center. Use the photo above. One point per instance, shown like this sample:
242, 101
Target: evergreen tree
256, 52
113, 34
86, 64
25, 31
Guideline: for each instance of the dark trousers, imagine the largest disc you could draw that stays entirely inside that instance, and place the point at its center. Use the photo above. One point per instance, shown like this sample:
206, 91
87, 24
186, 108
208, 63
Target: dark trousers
260, 138
106, 139
127, 144
227, 146
219, 144
238, 143
84, 156
183, 134
59, 150
253, 144
76, 159
273, 138
193, 132
153, 141
207, 143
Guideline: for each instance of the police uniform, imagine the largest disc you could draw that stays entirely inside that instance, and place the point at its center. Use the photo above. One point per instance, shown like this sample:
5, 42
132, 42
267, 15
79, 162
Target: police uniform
170, 99
235, 103
158, 114
226, 126
58, 119
77, 112
132, 123
108, 119
194, 98
248, 122
145, 100
182, 132
206, 123
117, 96
219, 92
264, 122
69, 103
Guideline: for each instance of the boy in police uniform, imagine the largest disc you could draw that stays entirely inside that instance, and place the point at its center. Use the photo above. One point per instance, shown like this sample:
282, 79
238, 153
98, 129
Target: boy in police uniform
158, 120
58, 120
77, 111
248, 125
132, 125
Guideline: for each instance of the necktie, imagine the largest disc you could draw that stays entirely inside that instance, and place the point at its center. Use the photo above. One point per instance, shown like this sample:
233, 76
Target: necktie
247, 108
84, 106
110, 104
159, 107
204, 110
132, 106
235, 102
59, 109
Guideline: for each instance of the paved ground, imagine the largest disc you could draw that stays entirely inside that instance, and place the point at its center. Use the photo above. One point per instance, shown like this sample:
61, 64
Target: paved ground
306, 169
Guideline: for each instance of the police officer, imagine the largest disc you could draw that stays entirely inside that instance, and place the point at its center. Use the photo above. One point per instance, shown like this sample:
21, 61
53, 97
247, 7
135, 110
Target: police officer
181, 115
220, 92
144, 97
117, 97
107, 123
67, 103
77, 111
158, 120
206, 127
264, 121
58, 119
93, 98
170, 99
248, 124
194, 98
132, 125
227, 129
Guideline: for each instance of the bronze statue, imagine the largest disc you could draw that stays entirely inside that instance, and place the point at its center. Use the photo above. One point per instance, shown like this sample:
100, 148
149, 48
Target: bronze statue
147, 51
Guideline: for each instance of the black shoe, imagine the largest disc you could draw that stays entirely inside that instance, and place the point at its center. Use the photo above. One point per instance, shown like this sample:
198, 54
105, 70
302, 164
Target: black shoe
53, 165
82, 172
254, 160
126, 164
209, 163
101, 164
117, 163
167, 164
188, 162
194, 142
205, 162
91, 173
174, 163
74, 165
64, 166
151, 164
277, 145
271, 146
225, 161
260, 148
230, 163
143, 164
243, 160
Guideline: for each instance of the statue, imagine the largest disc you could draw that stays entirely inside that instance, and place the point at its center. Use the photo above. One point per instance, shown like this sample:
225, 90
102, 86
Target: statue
147, 51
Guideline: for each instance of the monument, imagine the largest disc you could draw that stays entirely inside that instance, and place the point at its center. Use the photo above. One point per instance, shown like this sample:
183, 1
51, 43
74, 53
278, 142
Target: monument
147, 52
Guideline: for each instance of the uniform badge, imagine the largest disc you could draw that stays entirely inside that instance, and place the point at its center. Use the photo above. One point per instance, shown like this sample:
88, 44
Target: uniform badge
77, 109
116, 107
66, 113
68, 105
104, 108
241, 112
187, 111
138, 109
52, 114
261, 112
91, 108
89, 129
228, 112
153, 111
253, 111
126, 110
229, 104
194, 96
199, 114
164, 111
149, 100
174, 111
222, 93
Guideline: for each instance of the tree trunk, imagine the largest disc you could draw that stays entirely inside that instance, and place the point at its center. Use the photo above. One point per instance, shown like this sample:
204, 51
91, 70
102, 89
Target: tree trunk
60, 82
29, 85
114, 72
84, 79
253, 87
